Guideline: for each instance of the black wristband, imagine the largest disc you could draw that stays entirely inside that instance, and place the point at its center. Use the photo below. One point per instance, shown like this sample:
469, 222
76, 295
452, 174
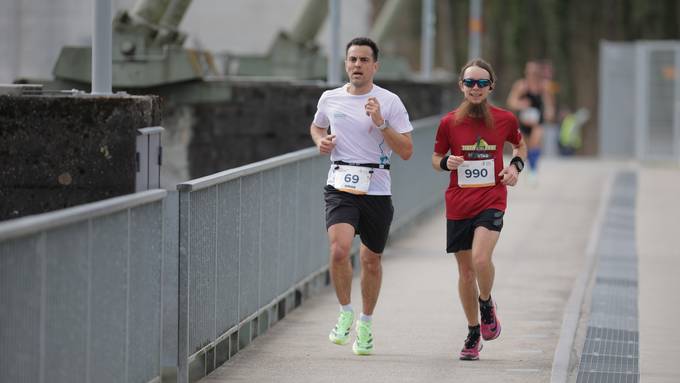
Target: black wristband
442, 163
518, 162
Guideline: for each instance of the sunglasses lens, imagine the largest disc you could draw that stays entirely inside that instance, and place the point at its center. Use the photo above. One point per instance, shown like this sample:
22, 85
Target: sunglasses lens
470, 82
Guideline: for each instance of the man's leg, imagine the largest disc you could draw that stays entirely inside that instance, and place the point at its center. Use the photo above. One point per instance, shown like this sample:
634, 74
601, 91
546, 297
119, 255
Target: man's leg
467, 289
482, 249
340, 237
467, 286
371, 278
535, 145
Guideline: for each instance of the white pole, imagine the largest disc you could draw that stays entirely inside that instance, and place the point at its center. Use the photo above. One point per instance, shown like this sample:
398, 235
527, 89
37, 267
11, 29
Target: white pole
475, 29
676, 108
641, 98
427, 39
101, 48
333, 67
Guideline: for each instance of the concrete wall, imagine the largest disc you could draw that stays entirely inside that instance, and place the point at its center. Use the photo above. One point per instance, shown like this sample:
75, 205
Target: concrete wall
61, 151
261, 120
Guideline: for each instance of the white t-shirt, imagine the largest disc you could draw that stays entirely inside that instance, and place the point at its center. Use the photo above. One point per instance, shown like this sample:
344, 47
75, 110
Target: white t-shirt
357, 139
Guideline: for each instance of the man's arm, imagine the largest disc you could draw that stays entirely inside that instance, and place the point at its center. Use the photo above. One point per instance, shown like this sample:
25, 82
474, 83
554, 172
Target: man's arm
436, 160
401, 143
515, 102
509, 174
548, 104
452, 163
520, 150
322, 140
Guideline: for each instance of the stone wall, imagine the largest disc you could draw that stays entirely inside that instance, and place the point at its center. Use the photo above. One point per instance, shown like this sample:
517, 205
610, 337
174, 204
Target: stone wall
264, 119
61, 151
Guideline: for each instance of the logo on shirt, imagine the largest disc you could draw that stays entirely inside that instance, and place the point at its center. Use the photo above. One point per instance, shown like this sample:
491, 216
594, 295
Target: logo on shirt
481, 150
339, 115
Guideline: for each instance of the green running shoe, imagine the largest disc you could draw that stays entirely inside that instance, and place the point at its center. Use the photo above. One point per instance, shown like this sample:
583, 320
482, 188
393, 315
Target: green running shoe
340, 333
363, 345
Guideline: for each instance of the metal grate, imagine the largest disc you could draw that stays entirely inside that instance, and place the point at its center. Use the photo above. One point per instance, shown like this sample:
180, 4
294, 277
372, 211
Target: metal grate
611, 349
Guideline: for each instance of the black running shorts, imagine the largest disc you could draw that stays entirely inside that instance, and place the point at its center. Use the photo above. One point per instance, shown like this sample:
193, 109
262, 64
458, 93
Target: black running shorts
370, 215
459, 233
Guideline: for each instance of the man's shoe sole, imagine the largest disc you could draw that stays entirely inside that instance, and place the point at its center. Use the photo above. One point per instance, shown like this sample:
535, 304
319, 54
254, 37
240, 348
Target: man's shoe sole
471, 357
495, 336
338, 341
361, 352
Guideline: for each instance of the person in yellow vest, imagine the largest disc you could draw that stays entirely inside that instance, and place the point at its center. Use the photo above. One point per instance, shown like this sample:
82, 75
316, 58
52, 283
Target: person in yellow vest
533, 100
569, 140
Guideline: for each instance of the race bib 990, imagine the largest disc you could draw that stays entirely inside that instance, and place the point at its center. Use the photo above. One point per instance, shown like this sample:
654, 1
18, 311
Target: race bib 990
352, 179
476, 174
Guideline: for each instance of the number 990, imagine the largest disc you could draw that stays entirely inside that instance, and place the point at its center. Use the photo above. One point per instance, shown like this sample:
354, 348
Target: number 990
475, 173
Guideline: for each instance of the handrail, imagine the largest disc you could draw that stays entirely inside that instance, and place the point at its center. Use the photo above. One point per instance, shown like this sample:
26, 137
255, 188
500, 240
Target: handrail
40, 222
256, 167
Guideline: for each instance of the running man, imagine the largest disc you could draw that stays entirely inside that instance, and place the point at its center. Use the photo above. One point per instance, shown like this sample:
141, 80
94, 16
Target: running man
366, 124
531, 98
474, 135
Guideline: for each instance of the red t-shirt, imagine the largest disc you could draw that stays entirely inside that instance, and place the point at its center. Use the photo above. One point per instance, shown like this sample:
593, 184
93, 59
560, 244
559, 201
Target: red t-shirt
475, 142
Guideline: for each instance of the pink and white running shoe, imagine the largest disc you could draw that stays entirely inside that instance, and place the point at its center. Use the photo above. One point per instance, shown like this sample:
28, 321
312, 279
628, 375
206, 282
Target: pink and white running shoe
490, 326
471, 348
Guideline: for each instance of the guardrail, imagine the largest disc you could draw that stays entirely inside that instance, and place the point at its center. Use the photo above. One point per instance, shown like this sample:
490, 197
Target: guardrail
169, 285
80, 293
253, 244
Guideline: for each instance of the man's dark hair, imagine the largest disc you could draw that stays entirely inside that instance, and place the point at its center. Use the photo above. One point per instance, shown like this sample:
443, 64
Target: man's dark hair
364, 41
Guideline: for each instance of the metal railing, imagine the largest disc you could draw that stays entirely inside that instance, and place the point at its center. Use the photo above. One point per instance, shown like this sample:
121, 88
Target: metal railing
80, 293
246, 237
253, 242
172, 284
639, 100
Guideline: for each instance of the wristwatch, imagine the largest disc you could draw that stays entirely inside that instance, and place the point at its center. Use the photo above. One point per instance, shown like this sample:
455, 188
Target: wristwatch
518, 162
385, 125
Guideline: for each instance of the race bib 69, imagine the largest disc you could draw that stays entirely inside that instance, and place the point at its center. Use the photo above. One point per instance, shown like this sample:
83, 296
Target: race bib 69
352, 179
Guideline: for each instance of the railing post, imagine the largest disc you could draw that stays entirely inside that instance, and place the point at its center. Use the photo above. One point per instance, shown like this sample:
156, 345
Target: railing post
427, 39
475, 28
183, 299
333, 67
101, 48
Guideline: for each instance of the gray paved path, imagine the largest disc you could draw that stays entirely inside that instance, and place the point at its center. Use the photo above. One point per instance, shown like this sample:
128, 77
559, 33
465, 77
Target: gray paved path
419, 326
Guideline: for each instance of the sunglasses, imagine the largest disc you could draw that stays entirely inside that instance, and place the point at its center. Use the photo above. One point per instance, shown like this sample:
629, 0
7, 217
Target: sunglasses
481, 83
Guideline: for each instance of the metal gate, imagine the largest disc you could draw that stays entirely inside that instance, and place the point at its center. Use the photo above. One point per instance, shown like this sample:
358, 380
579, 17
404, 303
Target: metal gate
657, 126
640, 100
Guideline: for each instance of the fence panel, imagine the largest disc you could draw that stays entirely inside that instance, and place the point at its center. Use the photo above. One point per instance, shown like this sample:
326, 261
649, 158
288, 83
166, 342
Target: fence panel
109, 276
202, 267
144, 302
639, 100
270, 254
229, 232
80, 292
21, 276
253, 244
288, 228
